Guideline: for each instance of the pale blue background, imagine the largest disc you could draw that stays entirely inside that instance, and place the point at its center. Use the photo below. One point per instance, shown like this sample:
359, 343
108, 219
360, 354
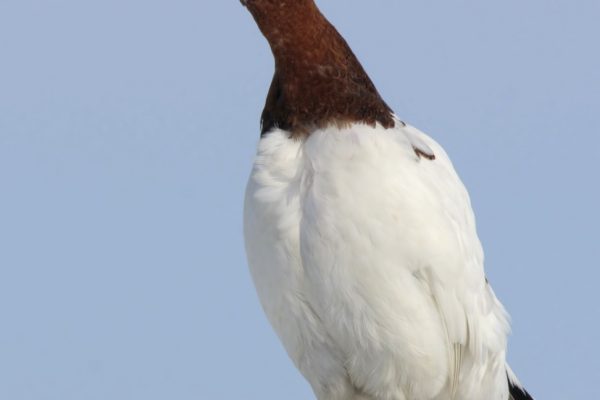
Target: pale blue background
127, 130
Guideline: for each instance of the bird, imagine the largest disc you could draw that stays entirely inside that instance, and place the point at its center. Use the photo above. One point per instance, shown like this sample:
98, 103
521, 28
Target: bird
360, 236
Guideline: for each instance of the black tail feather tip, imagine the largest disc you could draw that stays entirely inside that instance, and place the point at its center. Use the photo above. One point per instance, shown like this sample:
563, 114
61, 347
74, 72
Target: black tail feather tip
518, 393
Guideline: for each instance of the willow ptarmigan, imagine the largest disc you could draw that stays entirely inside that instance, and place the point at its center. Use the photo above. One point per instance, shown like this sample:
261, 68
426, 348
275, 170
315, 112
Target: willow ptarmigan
360, 236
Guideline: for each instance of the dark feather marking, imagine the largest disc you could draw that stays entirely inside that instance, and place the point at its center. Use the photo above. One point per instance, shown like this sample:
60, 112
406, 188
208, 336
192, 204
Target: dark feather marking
421, 153
517, 393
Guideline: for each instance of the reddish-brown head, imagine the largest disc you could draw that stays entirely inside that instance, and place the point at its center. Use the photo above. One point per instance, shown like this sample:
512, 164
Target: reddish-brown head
318, 80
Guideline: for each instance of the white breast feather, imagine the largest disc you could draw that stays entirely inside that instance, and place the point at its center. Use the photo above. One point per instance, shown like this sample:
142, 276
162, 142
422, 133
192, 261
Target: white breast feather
367, 263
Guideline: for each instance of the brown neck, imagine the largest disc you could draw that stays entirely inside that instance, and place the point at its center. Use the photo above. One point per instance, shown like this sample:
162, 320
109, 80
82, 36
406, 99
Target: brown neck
318, 81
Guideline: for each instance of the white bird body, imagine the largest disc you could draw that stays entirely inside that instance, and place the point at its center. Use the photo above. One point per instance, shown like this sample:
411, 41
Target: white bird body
367, 263
360, 236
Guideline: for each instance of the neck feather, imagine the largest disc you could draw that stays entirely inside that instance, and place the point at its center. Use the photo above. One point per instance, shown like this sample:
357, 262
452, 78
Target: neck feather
318, 80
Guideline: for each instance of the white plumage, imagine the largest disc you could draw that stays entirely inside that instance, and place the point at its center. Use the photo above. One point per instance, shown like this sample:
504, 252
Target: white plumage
360, 235
367, 262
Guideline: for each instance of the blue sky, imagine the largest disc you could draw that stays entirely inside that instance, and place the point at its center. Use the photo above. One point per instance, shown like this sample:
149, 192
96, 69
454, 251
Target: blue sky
127, 131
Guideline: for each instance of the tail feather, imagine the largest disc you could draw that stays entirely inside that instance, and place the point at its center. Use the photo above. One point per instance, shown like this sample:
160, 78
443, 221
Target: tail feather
516, 390
518, 393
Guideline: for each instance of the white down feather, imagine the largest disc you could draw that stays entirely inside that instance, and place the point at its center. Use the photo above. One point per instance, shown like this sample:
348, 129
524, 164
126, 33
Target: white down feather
367, 262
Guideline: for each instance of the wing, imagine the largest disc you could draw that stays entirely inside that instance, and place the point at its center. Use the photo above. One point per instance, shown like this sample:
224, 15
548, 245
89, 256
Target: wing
395, 268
